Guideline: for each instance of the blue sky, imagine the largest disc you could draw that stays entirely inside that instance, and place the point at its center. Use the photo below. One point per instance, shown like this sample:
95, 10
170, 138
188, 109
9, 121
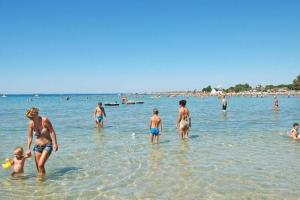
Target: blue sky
146, 45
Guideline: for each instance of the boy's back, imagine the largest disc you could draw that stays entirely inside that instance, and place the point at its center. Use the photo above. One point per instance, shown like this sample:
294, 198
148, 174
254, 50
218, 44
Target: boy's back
155, 121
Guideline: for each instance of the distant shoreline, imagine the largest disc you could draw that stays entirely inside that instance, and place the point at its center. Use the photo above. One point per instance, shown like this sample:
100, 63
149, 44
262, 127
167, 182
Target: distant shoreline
246, 93
170, 94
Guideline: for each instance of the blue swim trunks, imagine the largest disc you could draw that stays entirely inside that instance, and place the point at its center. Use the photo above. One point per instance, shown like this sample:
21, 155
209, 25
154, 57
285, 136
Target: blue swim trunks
154, 131
40, 149
99, 118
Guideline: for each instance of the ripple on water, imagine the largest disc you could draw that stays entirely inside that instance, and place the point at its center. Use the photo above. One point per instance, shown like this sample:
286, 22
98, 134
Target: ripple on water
238, 155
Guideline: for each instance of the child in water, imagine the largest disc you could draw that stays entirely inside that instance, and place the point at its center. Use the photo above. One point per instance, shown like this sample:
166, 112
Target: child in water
155, 124
18, 161
294, 132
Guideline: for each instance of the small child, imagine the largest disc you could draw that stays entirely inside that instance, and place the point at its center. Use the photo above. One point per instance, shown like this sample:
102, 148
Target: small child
155, 124
294, 132
18, 161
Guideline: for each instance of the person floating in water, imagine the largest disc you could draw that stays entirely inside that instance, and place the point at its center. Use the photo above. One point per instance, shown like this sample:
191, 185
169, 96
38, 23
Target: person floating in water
99, 114
294, 132
184, 120
276, 105
18, 161
155, 125
224, 103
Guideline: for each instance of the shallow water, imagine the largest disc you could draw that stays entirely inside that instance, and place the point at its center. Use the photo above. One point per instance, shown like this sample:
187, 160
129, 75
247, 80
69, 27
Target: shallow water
241, 154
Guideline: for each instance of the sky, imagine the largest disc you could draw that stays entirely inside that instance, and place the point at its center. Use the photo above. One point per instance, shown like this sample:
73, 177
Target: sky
66, 46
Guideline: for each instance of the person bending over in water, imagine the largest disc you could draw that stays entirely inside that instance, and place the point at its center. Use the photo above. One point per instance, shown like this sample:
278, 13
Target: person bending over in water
46, 141
224, 103
184, 120
98, 115
276, 105
294, 132
155, 124
18, 161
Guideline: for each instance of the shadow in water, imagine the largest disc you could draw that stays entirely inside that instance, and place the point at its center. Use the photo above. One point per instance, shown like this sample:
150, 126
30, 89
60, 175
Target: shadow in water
64, 171
194, 136
164, 141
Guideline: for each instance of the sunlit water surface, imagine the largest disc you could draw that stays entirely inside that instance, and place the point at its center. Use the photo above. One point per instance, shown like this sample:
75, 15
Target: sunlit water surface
242, 154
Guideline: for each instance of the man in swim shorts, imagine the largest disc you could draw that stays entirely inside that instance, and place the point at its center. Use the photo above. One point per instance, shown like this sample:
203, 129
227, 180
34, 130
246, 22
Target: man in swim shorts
184, 120
99, 114
155, 124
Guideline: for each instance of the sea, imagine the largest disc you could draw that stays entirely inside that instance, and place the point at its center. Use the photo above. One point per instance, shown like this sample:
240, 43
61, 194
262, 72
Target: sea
243, 153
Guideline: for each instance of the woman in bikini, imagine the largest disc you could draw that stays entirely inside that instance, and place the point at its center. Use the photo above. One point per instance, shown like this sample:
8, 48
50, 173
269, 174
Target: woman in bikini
184, 121
45, 142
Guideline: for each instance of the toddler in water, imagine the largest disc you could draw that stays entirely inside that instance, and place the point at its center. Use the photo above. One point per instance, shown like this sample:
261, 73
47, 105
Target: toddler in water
18, 161
294, 132
155, 124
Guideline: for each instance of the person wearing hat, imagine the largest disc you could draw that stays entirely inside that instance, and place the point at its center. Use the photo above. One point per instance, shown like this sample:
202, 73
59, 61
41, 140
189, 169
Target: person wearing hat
45, 141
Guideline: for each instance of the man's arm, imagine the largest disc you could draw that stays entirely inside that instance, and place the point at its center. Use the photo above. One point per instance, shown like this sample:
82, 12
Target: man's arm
95, 114
179, 118
104, 113
161, 126
150, 123
190, 119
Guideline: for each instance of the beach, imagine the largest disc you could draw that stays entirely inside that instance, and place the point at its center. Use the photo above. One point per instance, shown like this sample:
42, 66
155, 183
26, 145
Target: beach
244, 153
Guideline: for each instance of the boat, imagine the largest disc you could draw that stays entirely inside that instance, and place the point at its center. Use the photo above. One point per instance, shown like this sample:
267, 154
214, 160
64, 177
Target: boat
130, 102
111, 104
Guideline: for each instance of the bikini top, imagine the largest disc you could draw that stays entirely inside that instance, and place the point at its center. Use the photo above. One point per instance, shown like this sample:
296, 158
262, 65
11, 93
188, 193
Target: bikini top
38, 132
44, 132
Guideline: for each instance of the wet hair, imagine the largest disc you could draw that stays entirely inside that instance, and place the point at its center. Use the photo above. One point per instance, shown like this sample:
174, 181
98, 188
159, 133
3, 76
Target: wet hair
32, 112
295, 124
19, 148
100, 103
182, 102
155, 111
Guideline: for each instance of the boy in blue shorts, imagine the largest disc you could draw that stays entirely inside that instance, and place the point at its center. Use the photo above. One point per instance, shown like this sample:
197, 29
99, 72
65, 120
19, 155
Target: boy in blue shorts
155, 124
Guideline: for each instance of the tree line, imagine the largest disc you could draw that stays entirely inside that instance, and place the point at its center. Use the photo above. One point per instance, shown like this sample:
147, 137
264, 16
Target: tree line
295, 85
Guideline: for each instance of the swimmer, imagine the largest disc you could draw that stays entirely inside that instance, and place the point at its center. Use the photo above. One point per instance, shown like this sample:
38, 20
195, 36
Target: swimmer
276, 105
155, 124
294, 132
184, 120
224, 103
98, 115
18, 161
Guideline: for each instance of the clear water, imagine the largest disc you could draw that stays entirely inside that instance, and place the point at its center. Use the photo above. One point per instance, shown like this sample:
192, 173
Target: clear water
243, 154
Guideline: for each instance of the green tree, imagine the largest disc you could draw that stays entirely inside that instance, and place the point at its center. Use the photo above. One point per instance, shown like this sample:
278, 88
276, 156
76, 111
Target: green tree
241, 87
296, 83
207, 89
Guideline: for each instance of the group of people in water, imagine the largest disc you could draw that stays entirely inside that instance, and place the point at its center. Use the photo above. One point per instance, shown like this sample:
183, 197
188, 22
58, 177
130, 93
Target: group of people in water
46, 141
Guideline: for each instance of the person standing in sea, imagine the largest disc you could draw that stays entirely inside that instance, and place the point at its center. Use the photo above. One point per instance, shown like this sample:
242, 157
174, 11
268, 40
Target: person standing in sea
184, 120
45, 141
224, 103
276, 105
99, 115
